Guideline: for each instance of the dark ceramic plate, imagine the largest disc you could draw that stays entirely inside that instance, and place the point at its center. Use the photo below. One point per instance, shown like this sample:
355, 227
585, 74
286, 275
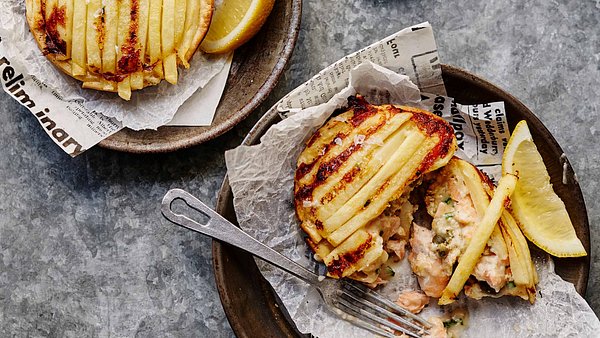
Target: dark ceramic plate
255, 70
249, 301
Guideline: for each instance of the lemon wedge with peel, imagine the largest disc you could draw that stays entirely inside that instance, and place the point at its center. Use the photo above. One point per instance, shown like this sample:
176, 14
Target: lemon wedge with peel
234, 22
540, 213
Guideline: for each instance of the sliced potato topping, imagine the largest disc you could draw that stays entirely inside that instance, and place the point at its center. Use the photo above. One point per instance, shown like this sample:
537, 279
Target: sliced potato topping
95, 29
119, 45
78, 54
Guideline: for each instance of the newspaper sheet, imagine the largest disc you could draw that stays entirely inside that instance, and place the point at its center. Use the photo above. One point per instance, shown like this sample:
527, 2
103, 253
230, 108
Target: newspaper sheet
398, 52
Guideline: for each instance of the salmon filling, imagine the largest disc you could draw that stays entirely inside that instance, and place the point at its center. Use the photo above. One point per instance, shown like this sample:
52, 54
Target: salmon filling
436, 251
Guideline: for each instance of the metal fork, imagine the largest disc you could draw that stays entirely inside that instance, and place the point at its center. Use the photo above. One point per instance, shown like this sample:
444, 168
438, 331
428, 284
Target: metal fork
355, 302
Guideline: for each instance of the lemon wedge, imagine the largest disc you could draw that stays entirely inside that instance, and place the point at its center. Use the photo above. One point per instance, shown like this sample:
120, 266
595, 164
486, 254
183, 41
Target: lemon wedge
234, 22
540, 213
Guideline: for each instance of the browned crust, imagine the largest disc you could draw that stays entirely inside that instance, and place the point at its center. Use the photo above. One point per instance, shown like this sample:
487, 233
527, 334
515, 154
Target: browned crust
337, 267
37, 26
102, 82
432, 125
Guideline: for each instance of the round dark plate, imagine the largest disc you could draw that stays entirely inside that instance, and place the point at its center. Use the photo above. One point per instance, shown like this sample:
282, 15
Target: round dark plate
251, 304
256, 67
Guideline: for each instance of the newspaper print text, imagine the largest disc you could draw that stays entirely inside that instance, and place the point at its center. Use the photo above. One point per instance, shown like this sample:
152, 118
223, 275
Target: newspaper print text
13, 84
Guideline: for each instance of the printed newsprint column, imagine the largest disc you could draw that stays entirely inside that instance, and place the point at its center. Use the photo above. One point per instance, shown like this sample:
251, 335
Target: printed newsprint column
411, 51
73, 127
488, 124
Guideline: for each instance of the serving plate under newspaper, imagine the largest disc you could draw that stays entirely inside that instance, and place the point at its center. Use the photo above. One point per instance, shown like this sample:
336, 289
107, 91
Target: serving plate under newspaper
248, 299
255, 70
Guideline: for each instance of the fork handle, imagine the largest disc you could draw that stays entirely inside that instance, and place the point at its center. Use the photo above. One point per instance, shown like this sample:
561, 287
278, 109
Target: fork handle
221, 229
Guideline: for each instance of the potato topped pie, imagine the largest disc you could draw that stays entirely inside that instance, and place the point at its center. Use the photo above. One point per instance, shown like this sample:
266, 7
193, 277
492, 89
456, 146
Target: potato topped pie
359, 164
119, 45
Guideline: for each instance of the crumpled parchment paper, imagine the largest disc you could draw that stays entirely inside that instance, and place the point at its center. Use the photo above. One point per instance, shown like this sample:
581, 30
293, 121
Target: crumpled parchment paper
262, 180
148, 109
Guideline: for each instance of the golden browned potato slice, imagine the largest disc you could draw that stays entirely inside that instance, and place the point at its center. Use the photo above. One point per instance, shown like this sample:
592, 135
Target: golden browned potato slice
78, 53
95, 29
350, 171
119, 45
169, 55
137, 79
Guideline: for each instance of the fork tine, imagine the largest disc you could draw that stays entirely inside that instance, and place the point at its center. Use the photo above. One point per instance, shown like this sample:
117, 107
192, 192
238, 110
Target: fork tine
351, 314
374, 296
383, 312
361, 315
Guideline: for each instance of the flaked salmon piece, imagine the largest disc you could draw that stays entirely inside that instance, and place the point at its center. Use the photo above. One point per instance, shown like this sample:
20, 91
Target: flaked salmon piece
393, 225
397, 246
492, 270
413, 301
492, 266
437, 330
432, 274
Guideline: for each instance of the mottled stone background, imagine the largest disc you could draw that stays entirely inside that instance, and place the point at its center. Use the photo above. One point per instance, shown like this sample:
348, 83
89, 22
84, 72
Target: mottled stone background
84, 251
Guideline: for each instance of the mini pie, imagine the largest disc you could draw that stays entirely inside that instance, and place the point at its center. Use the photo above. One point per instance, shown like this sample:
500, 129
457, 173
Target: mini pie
119, 45
353, 181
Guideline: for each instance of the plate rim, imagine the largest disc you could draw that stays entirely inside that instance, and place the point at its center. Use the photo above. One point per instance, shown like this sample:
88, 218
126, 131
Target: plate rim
263, 92
287, 326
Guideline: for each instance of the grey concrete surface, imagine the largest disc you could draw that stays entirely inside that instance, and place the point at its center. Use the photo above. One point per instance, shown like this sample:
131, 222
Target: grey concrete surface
84, 251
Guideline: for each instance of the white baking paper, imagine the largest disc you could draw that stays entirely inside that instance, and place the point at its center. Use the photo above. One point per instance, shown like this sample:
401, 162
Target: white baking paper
199, 110
82, 118
262, 180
